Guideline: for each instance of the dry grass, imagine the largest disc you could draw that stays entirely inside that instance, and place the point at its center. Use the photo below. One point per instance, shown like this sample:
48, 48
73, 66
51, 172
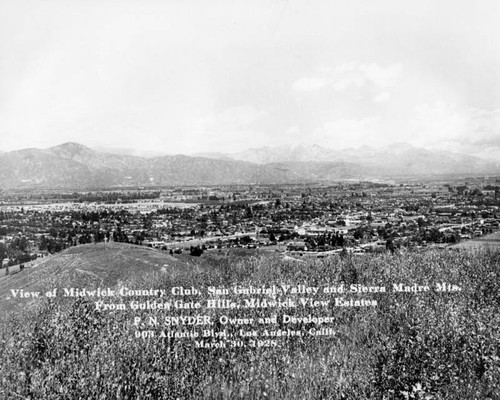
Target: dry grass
411, 346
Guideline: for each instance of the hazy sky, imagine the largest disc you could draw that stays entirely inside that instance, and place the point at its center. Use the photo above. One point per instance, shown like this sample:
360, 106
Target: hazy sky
191, 76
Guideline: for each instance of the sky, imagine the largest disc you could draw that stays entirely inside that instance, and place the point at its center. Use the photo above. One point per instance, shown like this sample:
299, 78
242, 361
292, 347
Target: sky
227, 75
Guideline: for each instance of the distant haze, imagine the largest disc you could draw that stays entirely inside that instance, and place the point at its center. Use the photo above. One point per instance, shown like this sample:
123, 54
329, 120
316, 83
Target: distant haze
170, 77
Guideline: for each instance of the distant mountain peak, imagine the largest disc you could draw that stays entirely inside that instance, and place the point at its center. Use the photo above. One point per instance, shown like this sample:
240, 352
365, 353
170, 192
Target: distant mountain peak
70, 149
70, 146
72, 165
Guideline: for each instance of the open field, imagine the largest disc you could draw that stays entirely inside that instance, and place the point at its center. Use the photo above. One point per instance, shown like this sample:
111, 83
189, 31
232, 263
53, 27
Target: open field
433, 345
492, 240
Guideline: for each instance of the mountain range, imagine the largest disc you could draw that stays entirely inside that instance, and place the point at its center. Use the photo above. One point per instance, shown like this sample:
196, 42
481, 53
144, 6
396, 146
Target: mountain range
72, 165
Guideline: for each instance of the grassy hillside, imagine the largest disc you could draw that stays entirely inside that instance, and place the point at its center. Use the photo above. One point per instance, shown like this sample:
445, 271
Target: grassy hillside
101, 264
410, 346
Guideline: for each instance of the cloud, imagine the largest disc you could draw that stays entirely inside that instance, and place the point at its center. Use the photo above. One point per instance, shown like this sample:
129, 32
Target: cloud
352, 80
235, 117
309, 84
439, 122
380, 76
350, 75
231, 129
294, 134
344, 133
465, 130
382, 97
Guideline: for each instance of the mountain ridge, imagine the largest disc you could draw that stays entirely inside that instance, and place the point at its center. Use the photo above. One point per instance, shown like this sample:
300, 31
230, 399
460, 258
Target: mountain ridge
73, 165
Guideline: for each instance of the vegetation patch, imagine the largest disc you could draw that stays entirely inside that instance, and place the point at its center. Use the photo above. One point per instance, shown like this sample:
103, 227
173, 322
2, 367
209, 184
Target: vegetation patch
432, 345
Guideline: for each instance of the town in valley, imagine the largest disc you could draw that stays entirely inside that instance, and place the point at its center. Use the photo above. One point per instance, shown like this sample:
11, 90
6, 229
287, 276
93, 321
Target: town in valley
297, 220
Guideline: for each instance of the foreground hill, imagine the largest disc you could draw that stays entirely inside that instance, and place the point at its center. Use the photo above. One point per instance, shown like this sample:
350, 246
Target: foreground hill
74, 166
91, 265
410, 345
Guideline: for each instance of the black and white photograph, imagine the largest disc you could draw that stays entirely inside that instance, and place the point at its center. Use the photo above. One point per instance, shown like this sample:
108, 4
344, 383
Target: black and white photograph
228, 199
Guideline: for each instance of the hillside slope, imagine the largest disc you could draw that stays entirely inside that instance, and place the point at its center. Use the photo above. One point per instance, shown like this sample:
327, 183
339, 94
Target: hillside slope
432, 344
92, 265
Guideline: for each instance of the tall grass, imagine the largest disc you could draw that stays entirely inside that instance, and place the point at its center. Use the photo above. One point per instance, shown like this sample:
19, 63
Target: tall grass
410, 346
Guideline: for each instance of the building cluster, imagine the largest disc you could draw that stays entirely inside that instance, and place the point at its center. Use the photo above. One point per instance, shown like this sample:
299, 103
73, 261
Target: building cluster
314, 220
